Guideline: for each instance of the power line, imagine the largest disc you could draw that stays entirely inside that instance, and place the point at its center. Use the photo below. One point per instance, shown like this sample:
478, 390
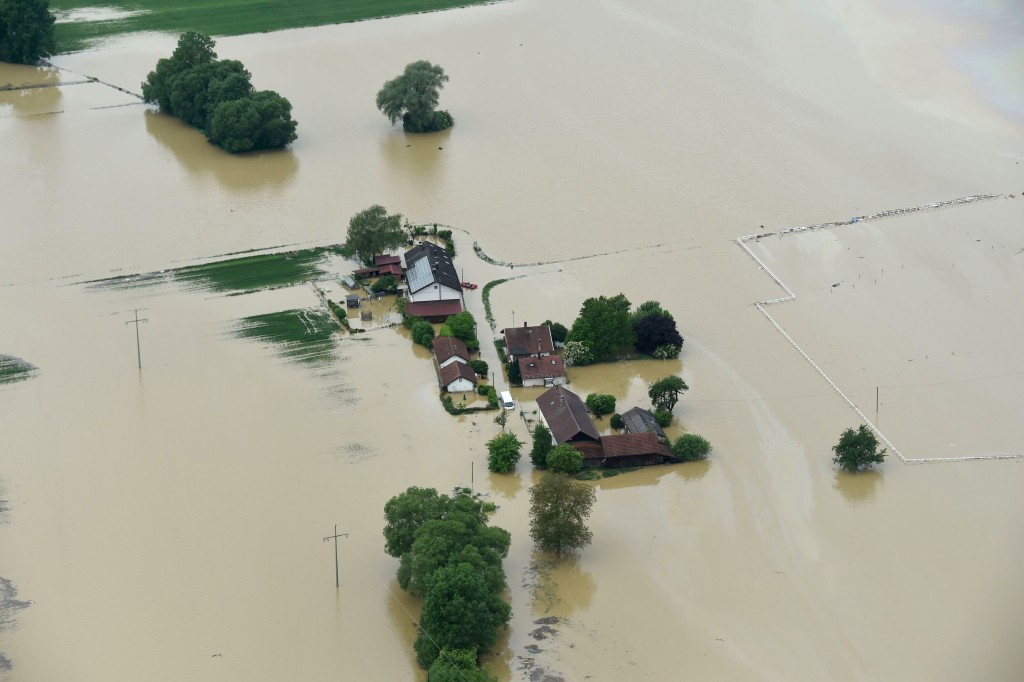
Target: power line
136, 321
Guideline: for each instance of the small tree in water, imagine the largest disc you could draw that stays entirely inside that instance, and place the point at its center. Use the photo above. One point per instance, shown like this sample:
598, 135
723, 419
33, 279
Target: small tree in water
413, 97
559, 508
857, 450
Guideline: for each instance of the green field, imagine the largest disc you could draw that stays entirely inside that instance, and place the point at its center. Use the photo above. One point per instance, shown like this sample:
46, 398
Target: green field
231, 17
15, 369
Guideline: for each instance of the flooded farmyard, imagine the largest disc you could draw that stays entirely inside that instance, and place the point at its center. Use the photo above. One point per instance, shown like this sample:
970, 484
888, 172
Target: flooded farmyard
166, 524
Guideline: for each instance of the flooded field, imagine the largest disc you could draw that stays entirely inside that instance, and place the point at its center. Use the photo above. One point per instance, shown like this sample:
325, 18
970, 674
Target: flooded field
166, 524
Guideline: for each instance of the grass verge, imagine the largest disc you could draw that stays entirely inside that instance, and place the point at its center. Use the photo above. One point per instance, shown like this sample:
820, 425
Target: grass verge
230, 17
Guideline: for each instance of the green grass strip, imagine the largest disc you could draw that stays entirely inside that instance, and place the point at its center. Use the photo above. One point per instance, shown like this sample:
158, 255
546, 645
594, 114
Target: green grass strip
304, 335
266, 271
14, 369
230, 17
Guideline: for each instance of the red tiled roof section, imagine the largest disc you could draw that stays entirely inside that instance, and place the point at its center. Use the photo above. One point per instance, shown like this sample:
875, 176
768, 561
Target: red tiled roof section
433, 308
529, 340
387, 260
447, 347
628, 444
547, 367
456, 370
591, 451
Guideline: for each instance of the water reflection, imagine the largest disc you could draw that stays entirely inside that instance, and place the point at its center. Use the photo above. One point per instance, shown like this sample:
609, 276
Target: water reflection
693, 471
507, 485
417, 157
252, 171
857, 488
559, 584
34, 100
641, 477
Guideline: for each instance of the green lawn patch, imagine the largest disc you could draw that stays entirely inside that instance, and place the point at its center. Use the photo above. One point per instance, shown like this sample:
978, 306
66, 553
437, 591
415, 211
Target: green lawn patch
14, 369
305, 335
236, 275
230, 17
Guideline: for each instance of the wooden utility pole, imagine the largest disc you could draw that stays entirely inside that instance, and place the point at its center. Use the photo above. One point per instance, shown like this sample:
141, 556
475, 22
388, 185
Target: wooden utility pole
337, 579
138, 347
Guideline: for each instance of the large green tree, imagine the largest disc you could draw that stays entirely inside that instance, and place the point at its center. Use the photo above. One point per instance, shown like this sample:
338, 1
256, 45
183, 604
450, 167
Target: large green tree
26, 31
405, 514
413, 97
664, 393
457, 538
857, 450
604, 327
373, 231
196, 92
194, 49
460, 612
559, 508
503, 452
656, 331
260, 121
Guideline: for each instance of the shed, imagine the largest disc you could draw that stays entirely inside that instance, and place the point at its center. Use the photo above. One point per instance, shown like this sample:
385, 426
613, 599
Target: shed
352, 300
635, 450
639, 420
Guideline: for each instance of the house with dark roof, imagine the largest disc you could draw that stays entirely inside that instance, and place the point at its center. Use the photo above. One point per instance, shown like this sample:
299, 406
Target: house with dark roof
448, 349
625, 450
383, 265
521, 342
544, 371
639, 420
565, 414
458, 377
433, 290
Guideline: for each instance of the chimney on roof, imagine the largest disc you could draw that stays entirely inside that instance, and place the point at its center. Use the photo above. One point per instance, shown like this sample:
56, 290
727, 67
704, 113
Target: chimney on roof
524, 323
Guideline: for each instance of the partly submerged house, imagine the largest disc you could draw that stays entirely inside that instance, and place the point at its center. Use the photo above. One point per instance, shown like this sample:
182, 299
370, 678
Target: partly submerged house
458, 377
545, 371
566, 416
521, 342
383, 265
625, 450
448, 349
433, 290
639, 420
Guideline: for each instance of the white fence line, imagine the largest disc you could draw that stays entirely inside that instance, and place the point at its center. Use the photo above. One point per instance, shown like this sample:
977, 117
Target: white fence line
790, 296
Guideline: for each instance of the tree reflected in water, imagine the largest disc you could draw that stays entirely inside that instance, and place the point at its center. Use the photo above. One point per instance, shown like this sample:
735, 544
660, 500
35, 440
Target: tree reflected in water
859, 487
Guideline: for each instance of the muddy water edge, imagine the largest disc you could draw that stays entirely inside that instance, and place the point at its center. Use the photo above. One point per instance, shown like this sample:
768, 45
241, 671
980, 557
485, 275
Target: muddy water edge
166, 524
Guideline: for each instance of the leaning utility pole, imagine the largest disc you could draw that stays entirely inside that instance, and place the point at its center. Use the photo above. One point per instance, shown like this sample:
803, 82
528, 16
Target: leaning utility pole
337, 581
136, 321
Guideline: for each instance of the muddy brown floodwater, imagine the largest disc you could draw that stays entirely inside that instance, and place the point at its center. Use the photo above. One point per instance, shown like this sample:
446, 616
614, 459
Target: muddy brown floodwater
166, 524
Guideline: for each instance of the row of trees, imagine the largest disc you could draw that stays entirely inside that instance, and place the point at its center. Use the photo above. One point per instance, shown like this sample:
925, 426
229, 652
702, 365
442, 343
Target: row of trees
217, 97
606, 329
452, 559
26, 31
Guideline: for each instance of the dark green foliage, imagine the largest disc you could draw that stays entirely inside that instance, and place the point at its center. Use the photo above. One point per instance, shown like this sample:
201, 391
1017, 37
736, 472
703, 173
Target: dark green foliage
457, 665
423, 334
666, 352
451, 557
405, 514
515, 375
616, 421
261, 121
413, 97
26, 31
664, 393
460, 612
601, 403
463, 326
663, 417
648, 308
218, 98
386, 284
541, 446
559, 508
690, 447
479, 366
565, 459
604, 327
655, 331
482, 389
486, 297
373, 231
444, 330
503, 452
449, 404
558, 331
857, 450
410, 321
14, 369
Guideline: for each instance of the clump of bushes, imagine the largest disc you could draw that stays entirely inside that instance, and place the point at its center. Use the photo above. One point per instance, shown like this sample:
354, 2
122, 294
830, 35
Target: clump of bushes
616, 421
601, 403
690, 447
565, 459
503, 452
386, 284
479, 366
217, 97
423, 333
663, 417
